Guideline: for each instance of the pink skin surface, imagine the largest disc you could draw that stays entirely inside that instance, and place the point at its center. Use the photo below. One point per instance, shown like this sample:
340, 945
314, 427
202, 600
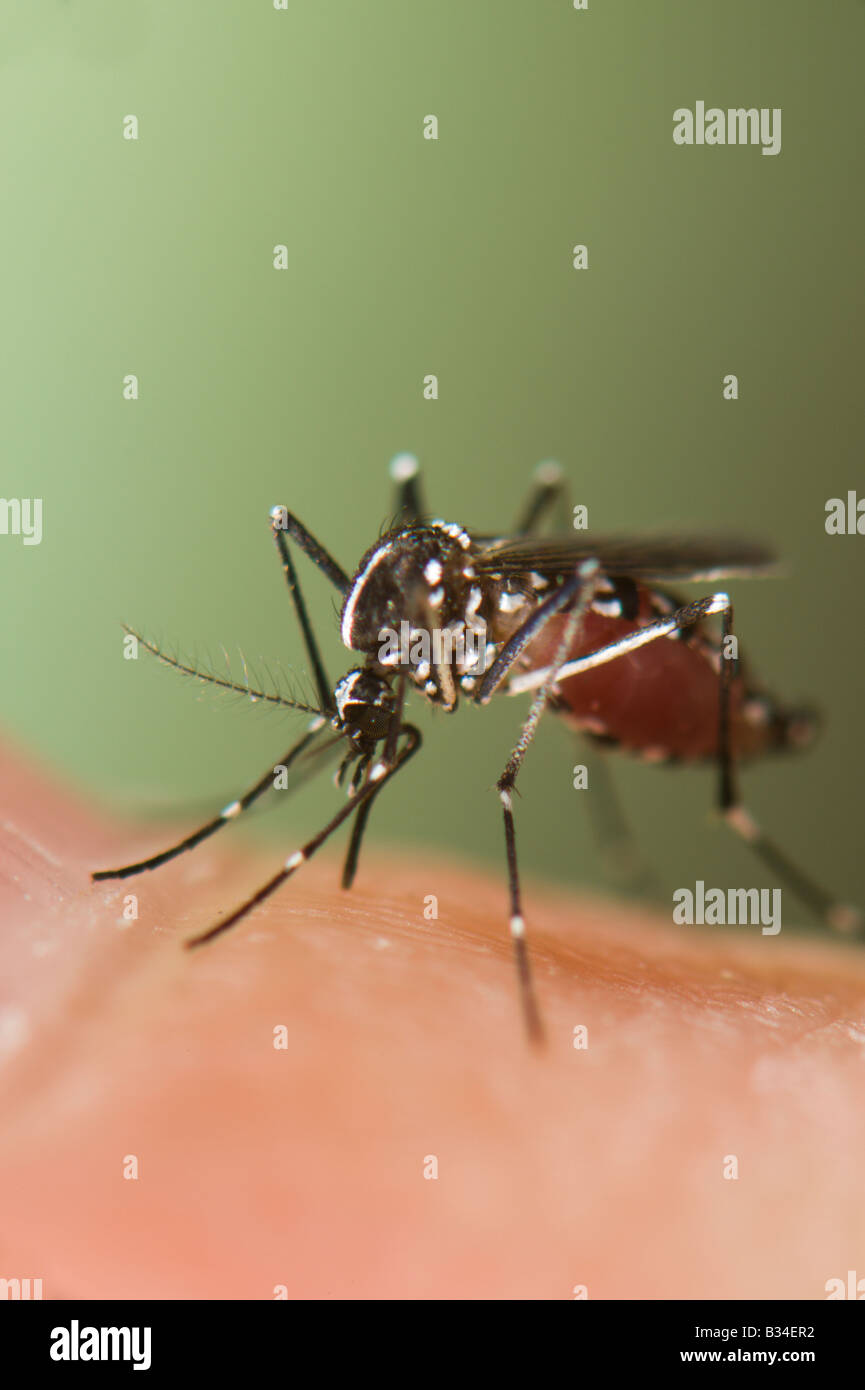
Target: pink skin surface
303, 1166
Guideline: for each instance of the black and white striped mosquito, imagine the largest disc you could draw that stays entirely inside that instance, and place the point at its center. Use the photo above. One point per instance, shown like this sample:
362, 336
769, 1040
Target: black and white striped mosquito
585, 624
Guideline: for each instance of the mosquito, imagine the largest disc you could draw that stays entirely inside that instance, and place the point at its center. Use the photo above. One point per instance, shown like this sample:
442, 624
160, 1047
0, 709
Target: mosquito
585, 624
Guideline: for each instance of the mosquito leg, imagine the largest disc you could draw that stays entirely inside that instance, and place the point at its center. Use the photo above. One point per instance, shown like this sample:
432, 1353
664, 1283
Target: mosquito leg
684, 617
349, 868
283, 520
516, 645
580, 587
612, 832
841, 917
837, 915
608, 821
228, 813
405, 471
379, 774
322, 683
586, 576
548, 489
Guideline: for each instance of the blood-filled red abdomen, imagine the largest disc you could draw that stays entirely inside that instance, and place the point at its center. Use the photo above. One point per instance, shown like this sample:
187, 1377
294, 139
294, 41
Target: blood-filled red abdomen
661, 700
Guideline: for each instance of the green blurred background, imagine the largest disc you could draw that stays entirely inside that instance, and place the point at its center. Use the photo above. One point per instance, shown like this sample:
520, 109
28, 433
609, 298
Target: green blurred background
408, 257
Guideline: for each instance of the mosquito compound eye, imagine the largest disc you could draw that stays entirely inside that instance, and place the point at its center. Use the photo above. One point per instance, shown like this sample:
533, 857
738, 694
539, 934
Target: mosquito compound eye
364, 704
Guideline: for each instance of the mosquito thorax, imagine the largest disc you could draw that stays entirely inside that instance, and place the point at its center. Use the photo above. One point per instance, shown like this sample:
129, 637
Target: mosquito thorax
415, 586
418, 574
364, 704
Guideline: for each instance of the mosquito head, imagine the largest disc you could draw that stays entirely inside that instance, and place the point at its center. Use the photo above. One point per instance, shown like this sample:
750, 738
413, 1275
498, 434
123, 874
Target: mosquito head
364, 704
420, 575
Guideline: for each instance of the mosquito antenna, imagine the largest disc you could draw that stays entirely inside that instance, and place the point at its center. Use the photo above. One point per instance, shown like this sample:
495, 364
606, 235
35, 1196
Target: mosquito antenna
198, 673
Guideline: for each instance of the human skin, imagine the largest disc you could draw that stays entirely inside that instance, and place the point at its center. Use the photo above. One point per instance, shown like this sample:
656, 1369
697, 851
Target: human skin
302, 1167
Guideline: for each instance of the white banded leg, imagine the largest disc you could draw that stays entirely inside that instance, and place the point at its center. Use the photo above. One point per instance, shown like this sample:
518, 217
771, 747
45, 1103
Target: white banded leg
549, 489
376, 779
376, 774
404, 470
684, 617
839, 916
228, 813
587, 577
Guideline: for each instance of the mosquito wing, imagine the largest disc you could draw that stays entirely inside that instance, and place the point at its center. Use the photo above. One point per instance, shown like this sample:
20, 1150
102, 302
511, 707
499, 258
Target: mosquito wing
649, 558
